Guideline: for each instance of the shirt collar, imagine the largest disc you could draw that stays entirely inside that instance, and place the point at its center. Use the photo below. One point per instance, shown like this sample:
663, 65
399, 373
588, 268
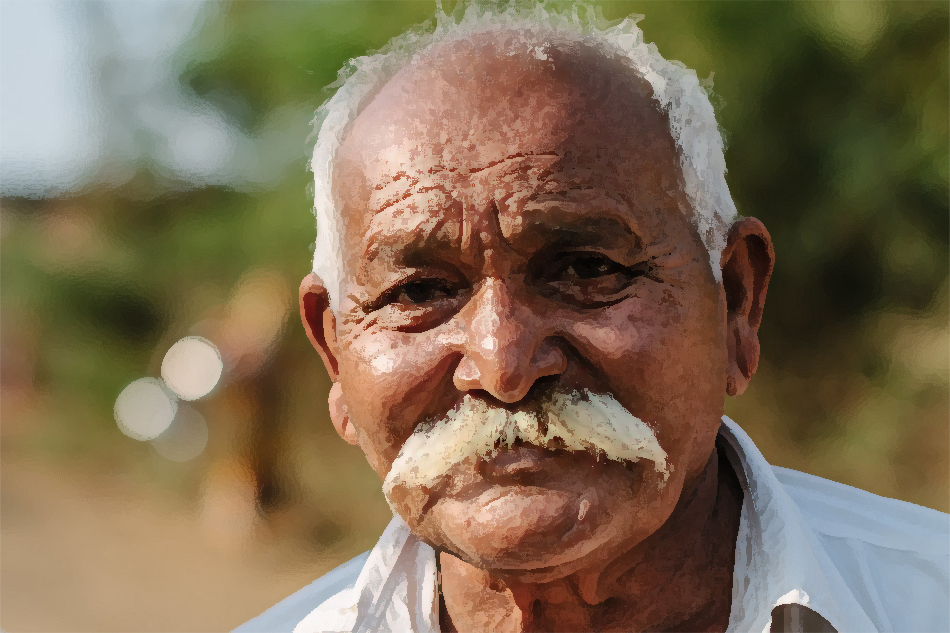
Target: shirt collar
778, 561
395, 591
778, 557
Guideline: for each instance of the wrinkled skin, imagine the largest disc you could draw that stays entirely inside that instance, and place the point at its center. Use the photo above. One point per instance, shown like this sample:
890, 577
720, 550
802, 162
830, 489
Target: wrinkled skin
516, 225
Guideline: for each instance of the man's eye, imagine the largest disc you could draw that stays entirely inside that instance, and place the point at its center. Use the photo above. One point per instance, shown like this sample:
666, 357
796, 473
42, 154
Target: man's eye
587, 279
419, 304
592, 267
421, 291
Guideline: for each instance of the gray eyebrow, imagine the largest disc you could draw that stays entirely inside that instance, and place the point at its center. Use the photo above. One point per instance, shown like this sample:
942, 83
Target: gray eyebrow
425, 227
559, 218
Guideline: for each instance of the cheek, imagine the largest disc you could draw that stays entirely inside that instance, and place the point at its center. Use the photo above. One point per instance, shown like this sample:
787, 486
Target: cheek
390, 382
646, 340
659, 357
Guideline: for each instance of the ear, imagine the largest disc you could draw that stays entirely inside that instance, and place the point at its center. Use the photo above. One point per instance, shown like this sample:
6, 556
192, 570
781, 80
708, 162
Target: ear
747, 263
320, 324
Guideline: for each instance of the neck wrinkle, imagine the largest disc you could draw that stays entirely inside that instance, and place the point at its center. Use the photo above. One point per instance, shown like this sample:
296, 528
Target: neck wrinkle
632, 576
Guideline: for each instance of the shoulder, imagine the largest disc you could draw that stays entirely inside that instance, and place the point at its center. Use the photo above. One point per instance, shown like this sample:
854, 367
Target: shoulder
286, 614
837, 510
894, 556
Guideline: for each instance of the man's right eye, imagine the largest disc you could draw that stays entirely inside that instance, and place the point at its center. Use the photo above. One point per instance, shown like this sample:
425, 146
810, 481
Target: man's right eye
420, 303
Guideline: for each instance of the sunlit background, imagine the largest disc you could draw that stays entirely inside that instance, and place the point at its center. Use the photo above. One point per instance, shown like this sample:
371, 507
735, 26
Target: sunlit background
167, 458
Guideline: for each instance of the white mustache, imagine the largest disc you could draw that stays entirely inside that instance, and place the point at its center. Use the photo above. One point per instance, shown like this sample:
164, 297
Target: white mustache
583, 421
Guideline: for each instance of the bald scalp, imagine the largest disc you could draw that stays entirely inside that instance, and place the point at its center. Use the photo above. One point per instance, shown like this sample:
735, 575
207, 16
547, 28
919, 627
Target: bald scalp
468, 97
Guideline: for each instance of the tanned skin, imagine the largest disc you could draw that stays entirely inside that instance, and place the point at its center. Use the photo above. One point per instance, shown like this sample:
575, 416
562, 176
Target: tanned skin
516, 223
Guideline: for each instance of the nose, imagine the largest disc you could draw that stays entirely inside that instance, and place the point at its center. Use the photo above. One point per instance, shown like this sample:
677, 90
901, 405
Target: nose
508, 348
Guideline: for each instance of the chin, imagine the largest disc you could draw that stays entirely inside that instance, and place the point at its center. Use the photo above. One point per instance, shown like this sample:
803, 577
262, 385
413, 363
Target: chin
522, 528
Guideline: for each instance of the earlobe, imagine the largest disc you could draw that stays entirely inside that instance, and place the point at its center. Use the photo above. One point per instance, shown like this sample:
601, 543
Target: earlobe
743, 346
746, 268
340, 416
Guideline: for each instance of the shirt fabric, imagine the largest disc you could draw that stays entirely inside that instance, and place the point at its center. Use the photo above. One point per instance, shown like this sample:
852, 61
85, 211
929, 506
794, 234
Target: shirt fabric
859, 561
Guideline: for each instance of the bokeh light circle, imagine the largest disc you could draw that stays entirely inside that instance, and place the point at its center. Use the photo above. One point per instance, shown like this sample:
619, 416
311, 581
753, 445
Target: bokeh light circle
185, 439
192, 367
145, 409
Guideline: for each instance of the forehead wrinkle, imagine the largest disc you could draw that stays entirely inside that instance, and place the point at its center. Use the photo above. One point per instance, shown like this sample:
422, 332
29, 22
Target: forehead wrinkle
439, 170
520, 157
387, 200
415, 188
548, 202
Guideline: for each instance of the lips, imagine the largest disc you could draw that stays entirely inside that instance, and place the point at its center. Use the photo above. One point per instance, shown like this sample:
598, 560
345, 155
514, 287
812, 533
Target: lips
517, 460
528, 464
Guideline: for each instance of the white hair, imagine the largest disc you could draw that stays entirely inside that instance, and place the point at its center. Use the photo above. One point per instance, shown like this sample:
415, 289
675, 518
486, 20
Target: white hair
676, 90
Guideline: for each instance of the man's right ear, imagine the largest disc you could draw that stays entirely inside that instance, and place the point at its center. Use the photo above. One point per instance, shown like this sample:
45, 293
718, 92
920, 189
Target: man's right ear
319, 322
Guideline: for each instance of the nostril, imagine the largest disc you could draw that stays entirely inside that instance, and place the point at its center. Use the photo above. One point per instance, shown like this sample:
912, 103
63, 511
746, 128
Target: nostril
509, 387
537, 390
511, 393
553, 361
542, 388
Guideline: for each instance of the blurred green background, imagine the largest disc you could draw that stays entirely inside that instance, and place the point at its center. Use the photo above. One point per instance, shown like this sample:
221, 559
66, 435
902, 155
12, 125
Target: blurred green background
836, 119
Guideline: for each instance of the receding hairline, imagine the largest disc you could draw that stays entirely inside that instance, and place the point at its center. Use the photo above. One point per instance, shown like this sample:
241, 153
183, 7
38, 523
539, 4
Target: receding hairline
676, 89
586, 73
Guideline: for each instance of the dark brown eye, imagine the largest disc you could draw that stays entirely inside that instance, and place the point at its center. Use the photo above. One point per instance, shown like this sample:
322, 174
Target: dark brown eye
592, 267
421, 303
587, 279
419, 291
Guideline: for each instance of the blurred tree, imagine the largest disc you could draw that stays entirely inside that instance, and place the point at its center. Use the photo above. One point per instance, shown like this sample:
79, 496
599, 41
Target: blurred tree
836, 116
836, 119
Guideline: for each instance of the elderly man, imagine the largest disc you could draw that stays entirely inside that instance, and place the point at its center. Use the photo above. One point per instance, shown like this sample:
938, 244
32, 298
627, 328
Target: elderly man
532, 294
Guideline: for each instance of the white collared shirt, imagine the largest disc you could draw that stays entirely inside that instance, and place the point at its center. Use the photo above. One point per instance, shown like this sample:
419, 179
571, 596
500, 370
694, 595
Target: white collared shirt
862, 562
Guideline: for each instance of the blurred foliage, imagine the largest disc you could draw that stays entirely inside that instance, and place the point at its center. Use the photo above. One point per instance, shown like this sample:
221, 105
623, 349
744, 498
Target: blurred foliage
836, 116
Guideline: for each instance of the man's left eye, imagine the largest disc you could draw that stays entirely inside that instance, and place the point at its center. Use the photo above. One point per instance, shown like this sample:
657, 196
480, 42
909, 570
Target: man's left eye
587, 279
420, 291
592, 267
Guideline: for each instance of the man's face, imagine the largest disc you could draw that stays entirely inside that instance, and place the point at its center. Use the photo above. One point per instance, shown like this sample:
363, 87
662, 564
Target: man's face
515, 227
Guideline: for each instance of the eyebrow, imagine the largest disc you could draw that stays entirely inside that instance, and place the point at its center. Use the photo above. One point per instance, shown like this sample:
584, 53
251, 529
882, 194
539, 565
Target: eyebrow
396, 226
551, 214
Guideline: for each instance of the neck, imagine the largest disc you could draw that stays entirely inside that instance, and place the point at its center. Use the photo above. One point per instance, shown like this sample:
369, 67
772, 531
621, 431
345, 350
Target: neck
680, 578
